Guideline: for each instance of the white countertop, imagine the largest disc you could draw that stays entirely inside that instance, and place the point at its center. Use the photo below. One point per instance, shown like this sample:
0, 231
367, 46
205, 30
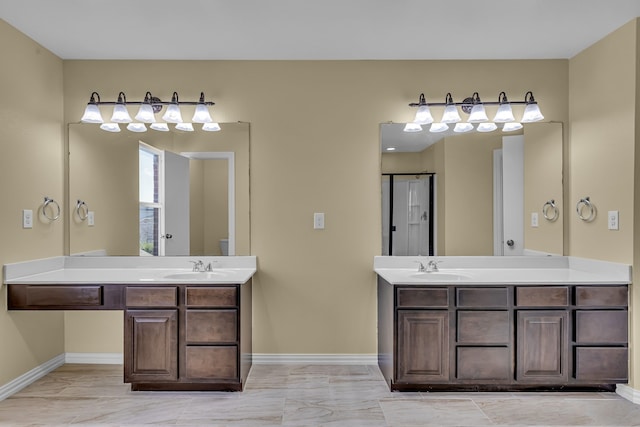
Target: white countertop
158, 270
540, 270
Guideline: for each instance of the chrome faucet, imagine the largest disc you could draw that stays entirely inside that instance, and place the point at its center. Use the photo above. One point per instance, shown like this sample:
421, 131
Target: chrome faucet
198, 265
432, 266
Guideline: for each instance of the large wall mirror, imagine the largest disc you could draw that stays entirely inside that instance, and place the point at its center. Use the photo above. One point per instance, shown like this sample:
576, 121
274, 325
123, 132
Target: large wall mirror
159, 193
491, 193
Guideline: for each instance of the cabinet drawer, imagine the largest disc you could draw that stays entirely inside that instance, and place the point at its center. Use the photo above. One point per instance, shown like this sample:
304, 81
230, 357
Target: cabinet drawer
483, 327
601, 327
603, 296
423, 297
210, 362
483, 363
542, 296
166, 296
211, 326
62, 296
481, 297
601, 364
222, 296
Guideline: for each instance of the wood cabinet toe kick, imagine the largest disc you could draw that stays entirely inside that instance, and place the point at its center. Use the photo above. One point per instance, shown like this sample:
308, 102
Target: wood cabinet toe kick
177, 337
502, 337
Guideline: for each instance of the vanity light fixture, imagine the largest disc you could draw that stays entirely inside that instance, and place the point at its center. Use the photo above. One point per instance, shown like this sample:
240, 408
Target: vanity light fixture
412, 127
475, 107
438, 127
487, 127
146, 113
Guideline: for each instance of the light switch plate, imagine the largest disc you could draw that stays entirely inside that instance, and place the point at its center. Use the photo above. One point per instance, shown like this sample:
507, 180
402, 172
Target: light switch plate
534, 219
612, 220
27, 218
91, 220
318, 221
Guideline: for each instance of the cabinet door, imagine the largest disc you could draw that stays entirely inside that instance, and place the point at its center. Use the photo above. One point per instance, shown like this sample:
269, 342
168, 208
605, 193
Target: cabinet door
151, 345
423, 346
542, 346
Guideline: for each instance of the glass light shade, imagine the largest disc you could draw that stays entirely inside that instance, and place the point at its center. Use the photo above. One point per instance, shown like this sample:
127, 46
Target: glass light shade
504, 114
161, 127
532, 114
423, 115
136, 127
110, 127
173, 114
487, 127
438, 127
202, 114
145, 114
451, 114
211, 127
187, 127
510, 127
120, 114
463, 127
92, 114
412, 127
477, 114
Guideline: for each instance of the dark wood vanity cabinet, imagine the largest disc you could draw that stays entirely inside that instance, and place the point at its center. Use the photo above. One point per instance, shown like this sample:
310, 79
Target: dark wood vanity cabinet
502, 337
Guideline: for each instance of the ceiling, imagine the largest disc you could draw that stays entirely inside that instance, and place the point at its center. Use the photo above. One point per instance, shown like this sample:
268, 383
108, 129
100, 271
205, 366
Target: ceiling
317, 29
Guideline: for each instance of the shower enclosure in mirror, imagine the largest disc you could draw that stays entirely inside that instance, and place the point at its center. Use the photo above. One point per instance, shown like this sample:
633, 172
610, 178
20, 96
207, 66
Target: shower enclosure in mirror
195, 200
408, 214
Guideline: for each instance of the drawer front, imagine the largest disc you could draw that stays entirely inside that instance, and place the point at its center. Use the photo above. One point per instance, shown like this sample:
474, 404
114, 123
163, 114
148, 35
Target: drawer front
483, 363
423, 297
602, 364
211, 326
542, 296
166, 296
602, 296
483, 327
482, 297
211, 362
64, 296
601, 327
223, 296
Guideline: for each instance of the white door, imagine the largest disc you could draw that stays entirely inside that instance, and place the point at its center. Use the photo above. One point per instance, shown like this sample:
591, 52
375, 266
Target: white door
176, 204
513, 194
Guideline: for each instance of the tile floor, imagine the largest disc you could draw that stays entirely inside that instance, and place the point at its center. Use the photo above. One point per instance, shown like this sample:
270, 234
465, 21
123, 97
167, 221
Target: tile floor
297, 395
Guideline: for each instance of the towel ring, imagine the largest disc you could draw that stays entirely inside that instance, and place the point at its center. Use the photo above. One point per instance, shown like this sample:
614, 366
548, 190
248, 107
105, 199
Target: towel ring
49, 201
82, 210
548, 207
583, 204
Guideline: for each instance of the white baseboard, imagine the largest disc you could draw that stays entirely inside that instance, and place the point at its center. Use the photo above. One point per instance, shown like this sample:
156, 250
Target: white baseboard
95, 358
315, 359
629, 393
30, 377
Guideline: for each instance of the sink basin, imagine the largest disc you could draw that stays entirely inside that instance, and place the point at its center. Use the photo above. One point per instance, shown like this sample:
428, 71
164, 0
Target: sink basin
439, 275
197, 275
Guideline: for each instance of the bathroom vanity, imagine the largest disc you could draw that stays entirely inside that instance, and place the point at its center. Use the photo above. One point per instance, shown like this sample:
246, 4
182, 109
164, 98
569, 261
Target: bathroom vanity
183, 330
485, 323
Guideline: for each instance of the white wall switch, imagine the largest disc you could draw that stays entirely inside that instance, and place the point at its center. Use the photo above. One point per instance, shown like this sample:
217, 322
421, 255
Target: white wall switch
318, 221
27, 218
612, 220
534, 219
91, 220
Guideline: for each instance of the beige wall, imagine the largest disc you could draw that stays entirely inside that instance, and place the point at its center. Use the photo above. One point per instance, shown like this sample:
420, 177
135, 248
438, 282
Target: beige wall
603, 127
31, 167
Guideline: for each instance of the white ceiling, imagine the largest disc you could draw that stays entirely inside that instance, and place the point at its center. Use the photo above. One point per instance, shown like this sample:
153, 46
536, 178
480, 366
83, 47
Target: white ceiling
317, 29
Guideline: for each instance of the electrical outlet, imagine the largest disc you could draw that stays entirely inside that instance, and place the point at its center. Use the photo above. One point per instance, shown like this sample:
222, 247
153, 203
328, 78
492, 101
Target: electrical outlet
27, 218
612, 220
91, 220
534, 219
318, 221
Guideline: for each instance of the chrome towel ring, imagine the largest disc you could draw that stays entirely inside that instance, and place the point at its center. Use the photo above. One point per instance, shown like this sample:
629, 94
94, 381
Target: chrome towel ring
50, 202
82, 210
585, 204
550, 210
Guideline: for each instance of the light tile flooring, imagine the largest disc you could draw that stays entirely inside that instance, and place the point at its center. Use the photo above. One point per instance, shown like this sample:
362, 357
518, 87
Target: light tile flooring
297, 395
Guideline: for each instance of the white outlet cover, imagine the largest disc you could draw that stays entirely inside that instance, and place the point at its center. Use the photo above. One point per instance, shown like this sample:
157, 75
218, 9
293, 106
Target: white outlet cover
613, 220
534, 219
27, 218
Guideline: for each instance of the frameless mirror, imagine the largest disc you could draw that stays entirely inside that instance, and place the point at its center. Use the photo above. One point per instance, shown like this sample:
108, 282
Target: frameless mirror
489, 194
159, 193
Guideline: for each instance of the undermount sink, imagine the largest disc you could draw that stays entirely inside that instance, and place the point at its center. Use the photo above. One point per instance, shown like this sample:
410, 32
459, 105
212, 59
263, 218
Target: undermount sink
439, 275
197, 275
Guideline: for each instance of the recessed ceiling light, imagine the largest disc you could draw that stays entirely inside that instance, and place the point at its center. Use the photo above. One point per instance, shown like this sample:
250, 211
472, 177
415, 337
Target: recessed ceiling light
391, 148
